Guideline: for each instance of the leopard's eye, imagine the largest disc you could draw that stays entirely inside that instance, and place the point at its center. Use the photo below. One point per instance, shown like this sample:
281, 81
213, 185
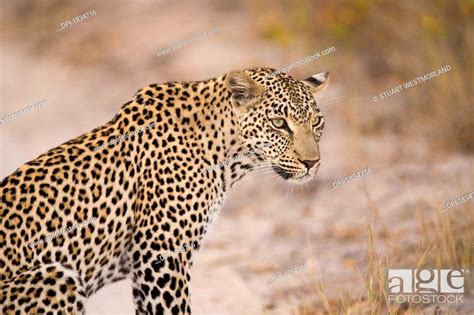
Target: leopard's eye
316, 122
278, 122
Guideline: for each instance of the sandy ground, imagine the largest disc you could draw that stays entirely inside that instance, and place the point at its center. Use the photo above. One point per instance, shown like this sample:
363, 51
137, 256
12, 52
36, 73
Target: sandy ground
266, 226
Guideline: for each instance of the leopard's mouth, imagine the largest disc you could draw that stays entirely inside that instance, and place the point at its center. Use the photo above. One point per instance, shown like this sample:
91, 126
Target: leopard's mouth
283, 173
294, 178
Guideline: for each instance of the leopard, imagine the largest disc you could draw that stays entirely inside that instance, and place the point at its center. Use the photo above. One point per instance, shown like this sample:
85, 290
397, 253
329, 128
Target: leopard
131, 198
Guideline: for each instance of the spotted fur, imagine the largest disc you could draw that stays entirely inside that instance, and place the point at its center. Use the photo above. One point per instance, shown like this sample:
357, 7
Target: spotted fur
147, 191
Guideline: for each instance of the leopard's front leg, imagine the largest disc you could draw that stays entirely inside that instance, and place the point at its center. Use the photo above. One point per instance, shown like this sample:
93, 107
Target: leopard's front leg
160, 274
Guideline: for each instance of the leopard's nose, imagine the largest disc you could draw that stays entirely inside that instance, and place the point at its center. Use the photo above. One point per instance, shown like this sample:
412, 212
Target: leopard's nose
309, 163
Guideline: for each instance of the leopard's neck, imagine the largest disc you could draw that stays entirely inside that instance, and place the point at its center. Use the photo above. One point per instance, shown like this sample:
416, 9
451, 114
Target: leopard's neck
203, 117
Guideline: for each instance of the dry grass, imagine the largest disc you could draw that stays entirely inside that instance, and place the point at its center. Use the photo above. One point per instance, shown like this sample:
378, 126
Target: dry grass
443, 241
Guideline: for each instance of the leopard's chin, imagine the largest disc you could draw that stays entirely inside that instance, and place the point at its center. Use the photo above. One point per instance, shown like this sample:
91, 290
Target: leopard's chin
301, 180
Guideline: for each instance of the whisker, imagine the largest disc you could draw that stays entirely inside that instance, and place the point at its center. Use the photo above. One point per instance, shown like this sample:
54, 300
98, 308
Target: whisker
287, 191
256, 175
262, 171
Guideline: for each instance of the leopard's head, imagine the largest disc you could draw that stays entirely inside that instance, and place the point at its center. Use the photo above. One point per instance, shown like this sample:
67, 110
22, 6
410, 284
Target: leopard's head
279, 117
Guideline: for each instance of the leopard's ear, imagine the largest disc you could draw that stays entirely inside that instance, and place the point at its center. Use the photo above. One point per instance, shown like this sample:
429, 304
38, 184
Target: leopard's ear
317, 82
244, 89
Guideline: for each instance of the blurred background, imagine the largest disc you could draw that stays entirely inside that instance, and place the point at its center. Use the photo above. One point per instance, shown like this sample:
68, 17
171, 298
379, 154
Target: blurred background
419, 142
